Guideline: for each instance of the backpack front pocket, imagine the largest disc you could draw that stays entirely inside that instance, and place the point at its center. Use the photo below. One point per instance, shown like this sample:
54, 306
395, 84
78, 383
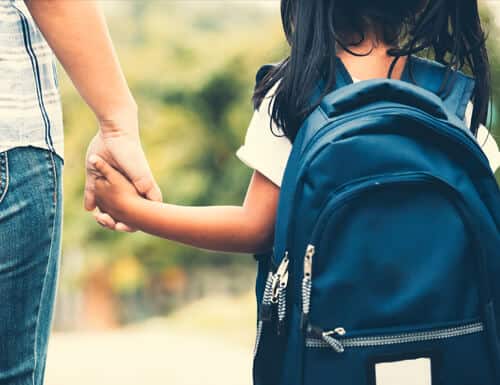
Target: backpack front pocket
381, 294
369, 266
411, 356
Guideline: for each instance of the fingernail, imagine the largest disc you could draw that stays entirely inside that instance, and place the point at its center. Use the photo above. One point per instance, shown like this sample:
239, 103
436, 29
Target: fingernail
93, 159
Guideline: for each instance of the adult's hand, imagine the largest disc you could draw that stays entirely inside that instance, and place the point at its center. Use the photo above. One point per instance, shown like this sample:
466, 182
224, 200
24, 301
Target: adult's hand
118, 143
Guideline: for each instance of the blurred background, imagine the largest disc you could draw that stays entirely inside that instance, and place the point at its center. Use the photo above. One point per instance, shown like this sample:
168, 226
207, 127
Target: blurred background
133, 309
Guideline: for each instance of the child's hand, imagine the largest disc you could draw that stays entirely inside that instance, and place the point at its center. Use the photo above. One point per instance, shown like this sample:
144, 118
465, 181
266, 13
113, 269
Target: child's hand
114, 193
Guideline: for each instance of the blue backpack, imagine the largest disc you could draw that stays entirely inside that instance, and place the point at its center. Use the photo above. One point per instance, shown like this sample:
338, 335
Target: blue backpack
386, 262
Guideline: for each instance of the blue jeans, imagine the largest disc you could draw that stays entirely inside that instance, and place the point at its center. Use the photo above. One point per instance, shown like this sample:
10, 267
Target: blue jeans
30, 238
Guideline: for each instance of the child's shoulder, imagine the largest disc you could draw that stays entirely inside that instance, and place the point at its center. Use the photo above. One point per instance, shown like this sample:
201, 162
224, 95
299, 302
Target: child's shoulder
486, 140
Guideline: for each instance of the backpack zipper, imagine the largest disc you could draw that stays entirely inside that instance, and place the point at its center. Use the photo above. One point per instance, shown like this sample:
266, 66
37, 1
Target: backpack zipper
282, 303
307, 285
279, 282
274, 293
335, 339
265, 313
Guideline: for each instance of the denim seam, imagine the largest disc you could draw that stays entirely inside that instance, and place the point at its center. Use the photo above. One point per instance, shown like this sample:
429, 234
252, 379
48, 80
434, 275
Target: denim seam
7, 179
52, 231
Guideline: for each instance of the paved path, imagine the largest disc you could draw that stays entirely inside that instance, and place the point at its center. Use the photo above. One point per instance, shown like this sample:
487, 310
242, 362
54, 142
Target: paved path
137, 357
207, 343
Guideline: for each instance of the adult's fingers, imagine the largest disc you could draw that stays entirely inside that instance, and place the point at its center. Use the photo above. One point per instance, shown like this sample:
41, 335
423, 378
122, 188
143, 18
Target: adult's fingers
89, 201
135, 166
148, 188
92, 174
89, 195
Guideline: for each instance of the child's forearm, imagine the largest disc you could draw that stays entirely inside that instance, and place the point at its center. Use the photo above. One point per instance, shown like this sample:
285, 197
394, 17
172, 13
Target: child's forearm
222, 228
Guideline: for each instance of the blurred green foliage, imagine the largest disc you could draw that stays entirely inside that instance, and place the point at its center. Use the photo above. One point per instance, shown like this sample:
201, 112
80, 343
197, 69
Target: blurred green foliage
191, 68
492, 23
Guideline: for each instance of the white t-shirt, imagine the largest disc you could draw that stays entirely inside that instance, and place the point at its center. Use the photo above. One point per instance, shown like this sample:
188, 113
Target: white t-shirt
268, 153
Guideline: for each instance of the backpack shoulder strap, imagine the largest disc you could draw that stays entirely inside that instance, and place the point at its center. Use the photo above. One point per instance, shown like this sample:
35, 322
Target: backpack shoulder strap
342, 79
453, 87
342, 76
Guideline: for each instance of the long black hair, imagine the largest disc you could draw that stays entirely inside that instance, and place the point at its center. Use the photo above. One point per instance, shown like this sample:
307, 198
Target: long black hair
450, 30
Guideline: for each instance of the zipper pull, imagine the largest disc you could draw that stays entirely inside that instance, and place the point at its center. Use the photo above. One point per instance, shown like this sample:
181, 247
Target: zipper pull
329, 338
271, 290
283, 267
266, 306
308, 260
282, 270
282, 304
307, 285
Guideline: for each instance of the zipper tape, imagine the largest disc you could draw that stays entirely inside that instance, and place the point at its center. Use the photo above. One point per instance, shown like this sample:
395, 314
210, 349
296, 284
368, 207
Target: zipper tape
392, 339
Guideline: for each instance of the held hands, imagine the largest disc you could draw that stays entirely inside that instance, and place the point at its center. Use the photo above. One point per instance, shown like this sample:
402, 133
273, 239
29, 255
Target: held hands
118, 145
114, 194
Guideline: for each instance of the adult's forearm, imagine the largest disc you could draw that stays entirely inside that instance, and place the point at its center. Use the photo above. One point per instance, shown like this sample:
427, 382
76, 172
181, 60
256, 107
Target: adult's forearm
78, 35
221, 228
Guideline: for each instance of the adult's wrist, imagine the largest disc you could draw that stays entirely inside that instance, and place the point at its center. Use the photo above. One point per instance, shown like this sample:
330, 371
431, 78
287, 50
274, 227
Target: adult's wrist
119, 120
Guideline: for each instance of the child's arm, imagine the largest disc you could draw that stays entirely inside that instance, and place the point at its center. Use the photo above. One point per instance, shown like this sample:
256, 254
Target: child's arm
248, 228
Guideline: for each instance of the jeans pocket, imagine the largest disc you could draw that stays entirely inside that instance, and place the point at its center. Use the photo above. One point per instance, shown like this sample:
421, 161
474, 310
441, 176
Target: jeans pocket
4, 175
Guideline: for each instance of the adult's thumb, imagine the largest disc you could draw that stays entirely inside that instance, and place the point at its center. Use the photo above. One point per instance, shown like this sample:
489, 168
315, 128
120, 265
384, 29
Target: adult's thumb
148, 188
154, 193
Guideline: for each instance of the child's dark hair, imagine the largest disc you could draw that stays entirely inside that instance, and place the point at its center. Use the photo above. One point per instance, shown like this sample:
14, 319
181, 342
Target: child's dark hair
450, 29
